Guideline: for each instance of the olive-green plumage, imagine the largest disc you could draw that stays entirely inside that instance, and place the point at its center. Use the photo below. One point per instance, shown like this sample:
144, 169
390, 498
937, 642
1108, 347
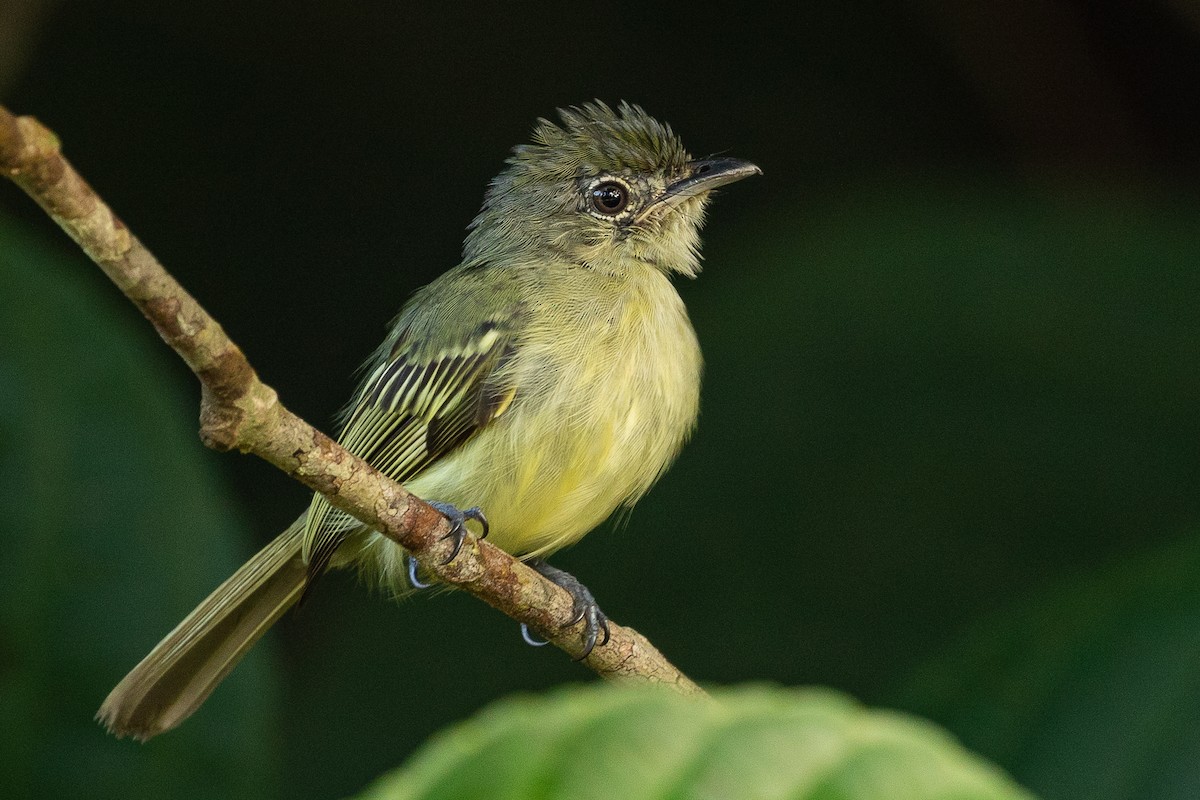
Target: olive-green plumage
549, 378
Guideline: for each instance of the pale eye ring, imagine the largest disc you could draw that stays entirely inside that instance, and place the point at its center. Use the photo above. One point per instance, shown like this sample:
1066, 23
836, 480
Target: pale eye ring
609, 198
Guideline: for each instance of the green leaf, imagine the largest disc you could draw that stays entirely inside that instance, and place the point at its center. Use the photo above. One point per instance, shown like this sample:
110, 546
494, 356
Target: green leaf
1091, 690
753, 743
115, 525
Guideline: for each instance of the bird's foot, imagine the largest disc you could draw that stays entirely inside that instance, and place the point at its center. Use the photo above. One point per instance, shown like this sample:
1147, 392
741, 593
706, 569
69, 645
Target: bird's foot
458, 532
458, 525
587, 611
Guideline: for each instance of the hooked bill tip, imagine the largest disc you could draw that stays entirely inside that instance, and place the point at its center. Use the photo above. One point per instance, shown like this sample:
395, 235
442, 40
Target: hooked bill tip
707, 174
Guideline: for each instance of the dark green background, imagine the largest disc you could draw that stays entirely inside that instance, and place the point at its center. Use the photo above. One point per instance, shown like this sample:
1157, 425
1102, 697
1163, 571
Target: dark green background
952, 339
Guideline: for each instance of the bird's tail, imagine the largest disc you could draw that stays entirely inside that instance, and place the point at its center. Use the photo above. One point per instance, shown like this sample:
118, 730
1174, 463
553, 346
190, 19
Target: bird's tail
183, 669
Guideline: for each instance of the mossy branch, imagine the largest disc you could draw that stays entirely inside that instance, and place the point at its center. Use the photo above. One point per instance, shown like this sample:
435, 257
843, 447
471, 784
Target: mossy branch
238, 411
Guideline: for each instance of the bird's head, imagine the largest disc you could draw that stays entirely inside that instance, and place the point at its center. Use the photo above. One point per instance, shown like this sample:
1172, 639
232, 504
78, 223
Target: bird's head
605, 189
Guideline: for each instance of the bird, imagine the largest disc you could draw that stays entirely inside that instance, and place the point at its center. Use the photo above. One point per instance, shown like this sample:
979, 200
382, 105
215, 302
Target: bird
547, 380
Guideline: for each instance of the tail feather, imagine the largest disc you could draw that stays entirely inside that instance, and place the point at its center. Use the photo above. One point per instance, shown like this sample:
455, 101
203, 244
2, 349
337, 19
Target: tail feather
182, 670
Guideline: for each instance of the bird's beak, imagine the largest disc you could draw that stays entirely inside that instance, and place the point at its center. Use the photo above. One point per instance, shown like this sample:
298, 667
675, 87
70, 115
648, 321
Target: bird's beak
704, 176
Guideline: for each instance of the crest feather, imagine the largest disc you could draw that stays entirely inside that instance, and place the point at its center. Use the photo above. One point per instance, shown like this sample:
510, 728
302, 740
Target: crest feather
594, 138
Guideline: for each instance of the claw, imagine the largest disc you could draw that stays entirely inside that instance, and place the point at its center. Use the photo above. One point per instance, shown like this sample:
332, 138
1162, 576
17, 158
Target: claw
416, 582
587, 610
528, 637
595, 624
458, 525
476, 513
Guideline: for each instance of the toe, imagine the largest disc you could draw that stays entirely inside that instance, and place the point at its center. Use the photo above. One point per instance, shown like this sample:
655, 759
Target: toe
595, 624
416, 582
458, 534
587, 610
529, 638
476, 513
458, 527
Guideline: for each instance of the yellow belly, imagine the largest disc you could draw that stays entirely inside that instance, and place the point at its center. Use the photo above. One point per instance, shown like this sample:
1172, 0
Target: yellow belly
605, 399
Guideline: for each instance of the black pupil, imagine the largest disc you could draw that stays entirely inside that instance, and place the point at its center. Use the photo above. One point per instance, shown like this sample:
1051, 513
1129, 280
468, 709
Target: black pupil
609, 197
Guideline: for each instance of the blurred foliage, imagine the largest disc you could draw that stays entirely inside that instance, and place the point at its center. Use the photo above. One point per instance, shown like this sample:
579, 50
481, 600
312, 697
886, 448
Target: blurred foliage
1086, 691
749, 744
115, 525
940, 399
934, 397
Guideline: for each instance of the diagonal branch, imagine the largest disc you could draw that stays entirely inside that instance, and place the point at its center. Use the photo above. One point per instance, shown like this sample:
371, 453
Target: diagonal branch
237, 410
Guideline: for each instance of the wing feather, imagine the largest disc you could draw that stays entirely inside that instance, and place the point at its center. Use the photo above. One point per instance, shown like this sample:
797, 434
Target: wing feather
413, 409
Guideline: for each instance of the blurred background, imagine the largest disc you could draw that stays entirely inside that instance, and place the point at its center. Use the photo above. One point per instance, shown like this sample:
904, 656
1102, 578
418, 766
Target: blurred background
947, 460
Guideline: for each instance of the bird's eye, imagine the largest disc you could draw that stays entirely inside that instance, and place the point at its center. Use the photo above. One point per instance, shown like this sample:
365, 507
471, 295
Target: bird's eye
610, 198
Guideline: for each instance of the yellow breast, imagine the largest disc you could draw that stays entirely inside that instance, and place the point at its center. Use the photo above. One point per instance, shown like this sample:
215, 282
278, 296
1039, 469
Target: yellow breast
607, 393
